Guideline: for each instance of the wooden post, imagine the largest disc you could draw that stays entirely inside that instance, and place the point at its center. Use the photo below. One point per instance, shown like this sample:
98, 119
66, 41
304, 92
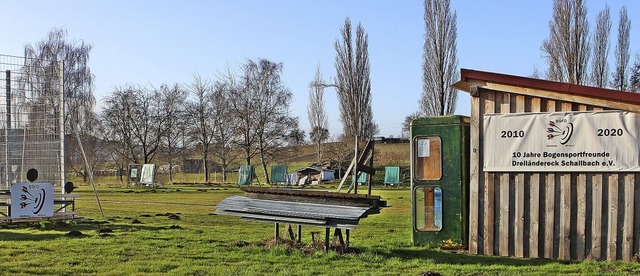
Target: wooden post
612, 235
474, 181
549, 215
504, 214
596, 214
518, 235
534, 200
299, 236
627, 226
337, 237
290, 232
564, 246
276, 231
347, 238
549, 207
581, 224
489, 183
327, 231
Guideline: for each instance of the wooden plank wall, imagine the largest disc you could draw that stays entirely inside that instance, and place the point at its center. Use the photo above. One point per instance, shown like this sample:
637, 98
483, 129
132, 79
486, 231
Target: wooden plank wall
567, 216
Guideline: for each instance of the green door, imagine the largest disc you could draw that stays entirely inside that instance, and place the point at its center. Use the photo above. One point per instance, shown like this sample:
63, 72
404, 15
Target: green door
440, 181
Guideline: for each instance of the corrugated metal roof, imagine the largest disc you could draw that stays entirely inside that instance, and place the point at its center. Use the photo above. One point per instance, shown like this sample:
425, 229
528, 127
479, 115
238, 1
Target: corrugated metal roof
304, 213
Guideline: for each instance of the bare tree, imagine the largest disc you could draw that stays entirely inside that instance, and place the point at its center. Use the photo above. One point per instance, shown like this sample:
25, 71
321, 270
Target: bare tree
224, 122
77, 77
295, 136
353, 84
199, 113
117, 116
243, 107
267, 120
135, 120
622, 52
634, 80
439, 64
316, 112
600, 66
91, 138
535, 73
406, 125
567, 48
339, 153
173, 100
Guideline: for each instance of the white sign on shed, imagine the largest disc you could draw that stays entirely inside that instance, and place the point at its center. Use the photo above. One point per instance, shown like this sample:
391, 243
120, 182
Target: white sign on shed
566, 141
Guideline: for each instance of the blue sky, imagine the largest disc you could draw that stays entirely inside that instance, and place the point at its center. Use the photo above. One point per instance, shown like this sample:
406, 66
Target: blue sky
155, 42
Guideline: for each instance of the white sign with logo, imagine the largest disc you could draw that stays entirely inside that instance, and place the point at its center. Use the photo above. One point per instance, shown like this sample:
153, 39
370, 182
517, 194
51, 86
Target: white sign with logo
29, 200
571, 141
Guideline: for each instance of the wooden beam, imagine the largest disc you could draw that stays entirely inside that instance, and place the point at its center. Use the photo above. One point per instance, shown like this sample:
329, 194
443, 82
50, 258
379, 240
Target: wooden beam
581, 217
612, 233
562, 97
549, 215
596, 215
627, 225
489, 187
504, 214
474, 177
564, 237
327, 232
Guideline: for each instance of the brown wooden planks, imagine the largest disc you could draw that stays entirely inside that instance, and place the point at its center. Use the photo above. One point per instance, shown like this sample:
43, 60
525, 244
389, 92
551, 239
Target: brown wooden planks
596, 214
581, 197
612, 230
564, 238
534, 215
627, 225
505, 183
534, 200
489, 186
518, 235
549, 213
559, 215
474, 167
504, 214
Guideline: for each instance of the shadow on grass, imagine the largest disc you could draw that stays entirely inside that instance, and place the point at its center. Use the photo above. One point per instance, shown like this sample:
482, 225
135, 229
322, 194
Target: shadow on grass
72, 230
459, 258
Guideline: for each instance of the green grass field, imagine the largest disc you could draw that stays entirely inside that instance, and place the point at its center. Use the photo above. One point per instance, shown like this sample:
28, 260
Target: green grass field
172, 231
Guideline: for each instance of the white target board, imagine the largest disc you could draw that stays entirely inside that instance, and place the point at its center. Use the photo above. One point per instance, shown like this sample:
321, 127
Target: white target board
605, 141
31, 200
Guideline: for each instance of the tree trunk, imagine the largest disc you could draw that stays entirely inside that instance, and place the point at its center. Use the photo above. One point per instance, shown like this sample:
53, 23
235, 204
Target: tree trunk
266, 173
224, 174
205, 166
170, 171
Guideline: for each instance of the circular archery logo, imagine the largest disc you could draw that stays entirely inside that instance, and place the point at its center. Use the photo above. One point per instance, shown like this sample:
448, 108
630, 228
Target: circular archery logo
561, 129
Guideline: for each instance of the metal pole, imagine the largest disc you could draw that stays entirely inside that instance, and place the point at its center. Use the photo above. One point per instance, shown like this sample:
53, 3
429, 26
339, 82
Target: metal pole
8, 72
61, 123
6, 129
89, 171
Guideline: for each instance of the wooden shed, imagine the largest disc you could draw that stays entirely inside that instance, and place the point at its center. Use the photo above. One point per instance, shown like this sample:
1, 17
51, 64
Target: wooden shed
562, 214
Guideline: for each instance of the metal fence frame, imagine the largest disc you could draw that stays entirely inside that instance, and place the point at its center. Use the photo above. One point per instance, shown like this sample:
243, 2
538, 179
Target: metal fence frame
31, 120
